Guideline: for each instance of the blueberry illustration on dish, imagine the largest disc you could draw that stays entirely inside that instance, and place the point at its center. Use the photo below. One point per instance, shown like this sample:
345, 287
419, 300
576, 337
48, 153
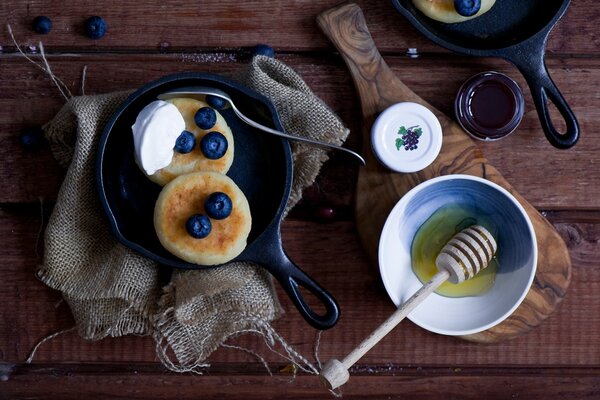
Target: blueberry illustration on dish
409, 137
406, 137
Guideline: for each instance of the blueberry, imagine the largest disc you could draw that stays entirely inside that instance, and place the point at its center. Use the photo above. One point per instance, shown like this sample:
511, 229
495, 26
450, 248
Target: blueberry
325, 214
95, 27
214, 145
467, 8
42, 24
185, 142
216, 102
32, 138
218, 205
205, 118
263, 50
198, 226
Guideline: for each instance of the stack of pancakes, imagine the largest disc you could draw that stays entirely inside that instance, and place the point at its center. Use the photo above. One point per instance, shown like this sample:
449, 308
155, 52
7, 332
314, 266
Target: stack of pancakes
188, 180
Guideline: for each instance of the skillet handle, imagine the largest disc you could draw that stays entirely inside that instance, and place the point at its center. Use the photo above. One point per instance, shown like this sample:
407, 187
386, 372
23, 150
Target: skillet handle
291, 277
533, 67
268, 251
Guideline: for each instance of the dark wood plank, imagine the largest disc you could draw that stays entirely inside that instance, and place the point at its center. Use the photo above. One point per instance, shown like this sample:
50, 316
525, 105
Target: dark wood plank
142, 382
29, 98
331, 253
233, 24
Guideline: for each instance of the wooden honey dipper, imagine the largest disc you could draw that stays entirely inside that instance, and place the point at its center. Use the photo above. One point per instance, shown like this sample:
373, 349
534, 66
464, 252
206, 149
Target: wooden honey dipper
467, 253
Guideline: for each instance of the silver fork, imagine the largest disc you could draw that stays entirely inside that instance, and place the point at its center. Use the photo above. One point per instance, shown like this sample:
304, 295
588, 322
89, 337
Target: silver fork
203, 90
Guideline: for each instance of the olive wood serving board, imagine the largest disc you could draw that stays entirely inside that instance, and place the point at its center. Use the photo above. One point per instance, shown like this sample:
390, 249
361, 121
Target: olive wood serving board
379, 189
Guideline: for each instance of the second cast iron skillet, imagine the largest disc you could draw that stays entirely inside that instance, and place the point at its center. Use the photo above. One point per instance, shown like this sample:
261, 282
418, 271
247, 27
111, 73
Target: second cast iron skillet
262, 168
515, 30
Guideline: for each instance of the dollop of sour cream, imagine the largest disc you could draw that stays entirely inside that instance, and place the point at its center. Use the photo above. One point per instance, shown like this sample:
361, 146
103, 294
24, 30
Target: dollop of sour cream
155, 132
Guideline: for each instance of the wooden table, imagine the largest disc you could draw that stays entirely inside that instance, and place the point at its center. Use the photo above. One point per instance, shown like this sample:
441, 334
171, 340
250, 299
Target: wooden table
145, 40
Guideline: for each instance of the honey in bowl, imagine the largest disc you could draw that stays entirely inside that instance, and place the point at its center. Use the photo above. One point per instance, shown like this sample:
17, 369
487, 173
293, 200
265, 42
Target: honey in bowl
433, 235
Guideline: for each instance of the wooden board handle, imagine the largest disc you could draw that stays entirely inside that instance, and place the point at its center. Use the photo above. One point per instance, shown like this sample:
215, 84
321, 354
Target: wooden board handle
346, 27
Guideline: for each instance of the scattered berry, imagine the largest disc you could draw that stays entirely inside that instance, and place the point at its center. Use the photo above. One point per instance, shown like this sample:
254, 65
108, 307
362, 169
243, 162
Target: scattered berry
216, 102
214, 145
467, 8
218, 205
325, 214
32, 138
42, 25
95, 27
263, 50
205, 118
185, 142
198, 226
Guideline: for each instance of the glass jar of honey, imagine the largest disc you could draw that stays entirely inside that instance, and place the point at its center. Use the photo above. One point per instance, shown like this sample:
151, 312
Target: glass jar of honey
489, 106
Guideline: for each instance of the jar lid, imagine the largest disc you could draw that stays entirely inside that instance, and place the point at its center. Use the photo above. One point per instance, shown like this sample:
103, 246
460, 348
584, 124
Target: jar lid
406, 137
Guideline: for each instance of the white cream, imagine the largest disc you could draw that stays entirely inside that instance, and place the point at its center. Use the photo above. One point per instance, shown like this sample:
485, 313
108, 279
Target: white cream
155, 132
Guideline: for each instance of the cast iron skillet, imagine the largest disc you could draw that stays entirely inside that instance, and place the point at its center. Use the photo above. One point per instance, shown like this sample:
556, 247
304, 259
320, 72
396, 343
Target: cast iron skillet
515, 30
262, 168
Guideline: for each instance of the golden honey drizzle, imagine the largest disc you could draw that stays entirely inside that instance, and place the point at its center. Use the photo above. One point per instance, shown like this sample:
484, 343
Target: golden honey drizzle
433, 235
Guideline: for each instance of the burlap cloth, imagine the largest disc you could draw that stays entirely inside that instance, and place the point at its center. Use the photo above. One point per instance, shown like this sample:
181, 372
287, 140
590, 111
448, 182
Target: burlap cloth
112, 290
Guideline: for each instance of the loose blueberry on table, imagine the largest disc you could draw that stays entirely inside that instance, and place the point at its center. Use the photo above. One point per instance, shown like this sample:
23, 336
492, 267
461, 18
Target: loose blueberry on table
95, 27
205, 118
198, 226
214, 145
325, 213
263, 50
185, 142
218, 205
32, 138
216, 102
42, 25
467, 8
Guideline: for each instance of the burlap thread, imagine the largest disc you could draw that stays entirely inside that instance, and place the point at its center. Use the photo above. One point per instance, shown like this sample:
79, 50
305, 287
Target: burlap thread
113, 291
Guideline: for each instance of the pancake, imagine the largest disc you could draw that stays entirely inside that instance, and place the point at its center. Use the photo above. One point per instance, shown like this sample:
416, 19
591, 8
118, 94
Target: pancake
195, 160
183, 197
444, 11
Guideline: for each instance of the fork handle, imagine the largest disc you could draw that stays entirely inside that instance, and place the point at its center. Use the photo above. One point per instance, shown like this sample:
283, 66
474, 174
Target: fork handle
297, 138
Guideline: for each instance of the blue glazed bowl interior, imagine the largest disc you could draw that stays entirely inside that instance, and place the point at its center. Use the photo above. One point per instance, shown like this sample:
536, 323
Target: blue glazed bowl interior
517, 253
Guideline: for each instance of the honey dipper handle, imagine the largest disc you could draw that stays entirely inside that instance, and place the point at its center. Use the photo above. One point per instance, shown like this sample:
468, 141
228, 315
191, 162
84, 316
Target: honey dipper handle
398, 315
335, 373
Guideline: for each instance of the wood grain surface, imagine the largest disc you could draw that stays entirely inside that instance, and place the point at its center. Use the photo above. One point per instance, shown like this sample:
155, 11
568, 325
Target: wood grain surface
559, 359
232, 24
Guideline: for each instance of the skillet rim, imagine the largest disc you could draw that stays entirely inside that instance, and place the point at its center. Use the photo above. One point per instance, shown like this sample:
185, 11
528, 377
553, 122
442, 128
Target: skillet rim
108, 129
539, 36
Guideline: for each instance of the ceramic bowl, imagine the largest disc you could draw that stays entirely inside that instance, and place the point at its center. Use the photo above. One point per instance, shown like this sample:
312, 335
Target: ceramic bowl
517, 254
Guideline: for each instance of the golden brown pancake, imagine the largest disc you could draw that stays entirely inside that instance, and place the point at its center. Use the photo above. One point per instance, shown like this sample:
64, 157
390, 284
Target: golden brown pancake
183, 197
195, 160
444, 11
